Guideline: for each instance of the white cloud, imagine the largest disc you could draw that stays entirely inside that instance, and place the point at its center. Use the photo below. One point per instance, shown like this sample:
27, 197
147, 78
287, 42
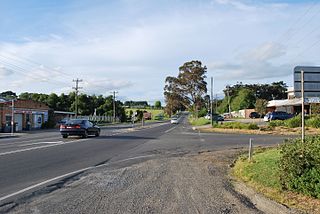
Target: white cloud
5, 72
135, 52
237, 4
255, 64
264, 52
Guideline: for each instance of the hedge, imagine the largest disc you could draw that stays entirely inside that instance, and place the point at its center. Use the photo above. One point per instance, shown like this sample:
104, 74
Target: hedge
300, 166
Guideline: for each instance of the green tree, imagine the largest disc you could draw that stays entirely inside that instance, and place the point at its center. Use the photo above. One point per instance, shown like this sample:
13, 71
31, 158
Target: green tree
245, 99
261, 106
188, 88
53, 100
8, 95
157, 104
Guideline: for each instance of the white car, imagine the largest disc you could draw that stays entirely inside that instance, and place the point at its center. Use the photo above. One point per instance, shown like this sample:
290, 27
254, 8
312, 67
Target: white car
174, 121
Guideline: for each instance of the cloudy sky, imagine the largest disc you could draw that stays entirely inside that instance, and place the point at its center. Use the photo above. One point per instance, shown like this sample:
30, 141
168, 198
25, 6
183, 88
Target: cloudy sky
132, 45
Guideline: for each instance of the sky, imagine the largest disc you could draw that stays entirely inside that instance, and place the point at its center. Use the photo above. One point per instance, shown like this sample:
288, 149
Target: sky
131, 46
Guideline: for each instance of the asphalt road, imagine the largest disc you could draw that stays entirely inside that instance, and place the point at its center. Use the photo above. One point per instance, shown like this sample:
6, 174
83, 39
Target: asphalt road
35, 158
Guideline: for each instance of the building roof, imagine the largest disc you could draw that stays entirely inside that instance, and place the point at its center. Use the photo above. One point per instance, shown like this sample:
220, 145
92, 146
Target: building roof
64, 112
293, 102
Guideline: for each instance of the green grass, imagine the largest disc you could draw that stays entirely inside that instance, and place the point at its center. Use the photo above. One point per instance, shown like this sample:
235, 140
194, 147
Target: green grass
263, 170
199, 122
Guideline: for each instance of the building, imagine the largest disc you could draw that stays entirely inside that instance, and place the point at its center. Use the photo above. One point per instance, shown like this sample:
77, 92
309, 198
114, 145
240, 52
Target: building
28, 114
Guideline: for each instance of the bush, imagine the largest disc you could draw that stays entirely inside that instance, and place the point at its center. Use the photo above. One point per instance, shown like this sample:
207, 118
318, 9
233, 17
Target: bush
237, 125
294, 122
300, 166
313, 122
276, 123
203, 112
199, 122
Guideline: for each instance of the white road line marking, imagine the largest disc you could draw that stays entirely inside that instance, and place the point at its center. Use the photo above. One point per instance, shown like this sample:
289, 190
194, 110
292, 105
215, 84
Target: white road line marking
169, 130
38, 147
42, 183
66, 175
30, 144
143, 156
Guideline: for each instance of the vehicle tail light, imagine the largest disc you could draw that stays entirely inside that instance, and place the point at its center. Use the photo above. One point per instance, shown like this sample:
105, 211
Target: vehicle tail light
62, 126
77, 127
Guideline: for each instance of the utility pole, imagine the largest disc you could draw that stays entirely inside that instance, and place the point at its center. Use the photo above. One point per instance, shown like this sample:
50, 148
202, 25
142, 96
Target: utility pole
77, 91
114, 105
211, 101
228, 88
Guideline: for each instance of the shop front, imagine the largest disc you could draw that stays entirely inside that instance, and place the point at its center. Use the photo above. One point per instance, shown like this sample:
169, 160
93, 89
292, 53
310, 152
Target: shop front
27, 115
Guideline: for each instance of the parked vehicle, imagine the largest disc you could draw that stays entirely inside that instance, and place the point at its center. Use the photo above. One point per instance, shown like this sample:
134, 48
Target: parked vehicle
277, 115
79, 127
254, 114
216, 117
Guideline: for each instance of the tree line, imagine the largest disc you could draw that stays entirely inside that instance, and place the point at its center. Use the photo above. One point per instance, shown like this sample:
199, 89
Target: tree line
87, 104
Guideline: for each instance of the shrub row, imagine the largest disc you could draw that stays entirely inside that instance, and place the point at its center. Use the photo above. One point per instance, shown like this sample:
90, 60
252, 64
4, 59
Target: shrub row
294, 122
300, 166
236, 125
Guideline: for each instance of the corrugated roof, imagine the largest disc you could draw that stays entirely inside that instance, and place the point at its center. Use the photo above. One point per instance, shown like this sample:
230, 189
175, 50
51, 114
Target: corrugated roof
292, 102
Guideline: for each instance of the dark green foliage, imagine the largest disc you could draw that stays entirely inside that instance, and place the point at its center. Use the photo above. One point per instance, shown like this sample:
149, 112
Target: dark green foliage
276, 123
88, 104
300, 166
313, 122
294, 122
203, 112
236, 125
245, 99
8, 95
157, 104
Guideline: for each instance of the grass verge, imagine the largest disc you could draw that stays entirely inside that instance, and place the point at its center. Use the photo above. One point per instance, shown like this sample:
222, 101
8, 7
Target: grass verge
262, 174
199, 122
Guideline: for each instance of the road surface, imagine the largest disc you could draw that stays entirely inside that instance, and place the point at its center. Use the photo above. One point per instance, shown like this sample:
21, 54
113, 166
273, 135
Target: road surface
154, 162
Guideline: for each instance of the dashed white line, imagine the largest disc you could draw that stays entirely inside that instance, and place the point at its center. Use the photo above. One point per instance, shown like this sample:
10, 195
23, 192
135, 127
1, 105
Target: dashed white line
169, 130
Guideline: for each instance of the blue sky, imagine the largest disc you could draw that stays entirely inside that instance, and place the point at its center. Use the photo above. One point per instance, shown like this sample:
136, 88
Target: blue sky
132, 45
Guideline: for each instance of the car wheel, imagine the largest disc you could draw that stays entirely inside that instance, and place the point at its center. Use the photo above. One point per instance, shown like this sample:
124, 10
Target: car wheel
85, 134
65, 136
97, 134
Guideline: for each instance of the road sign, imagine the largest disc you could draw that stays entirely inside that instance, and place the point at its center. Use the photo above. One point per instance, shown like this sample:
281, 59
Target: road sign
311, 81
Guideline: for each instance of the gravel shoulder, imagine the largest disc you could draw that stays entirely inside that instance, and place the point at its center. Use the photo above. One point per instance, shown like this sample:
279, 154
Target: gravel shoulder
182, 184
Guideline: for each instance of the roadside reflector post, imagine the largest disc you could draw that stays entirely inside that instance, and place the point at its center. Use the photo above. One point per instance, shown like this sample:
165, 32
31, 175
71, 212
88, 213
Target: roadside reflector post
250, 149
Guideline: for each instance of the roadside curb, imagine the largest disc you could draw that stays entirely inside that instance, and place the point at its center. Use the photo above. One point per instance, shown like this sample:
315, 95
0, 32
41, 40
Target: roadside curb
261, 202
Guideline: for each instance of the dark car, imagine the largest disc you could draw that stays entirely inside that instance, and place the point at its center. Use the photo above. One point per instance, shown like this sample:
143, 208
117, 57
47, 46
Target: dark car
216, 117
254, 114
277, 115
79, 127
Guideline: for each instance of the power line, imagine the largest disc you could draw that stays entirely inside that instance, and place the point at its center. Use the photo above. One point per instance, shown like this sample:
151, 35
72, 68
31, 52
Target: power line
27, 61
24, 72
